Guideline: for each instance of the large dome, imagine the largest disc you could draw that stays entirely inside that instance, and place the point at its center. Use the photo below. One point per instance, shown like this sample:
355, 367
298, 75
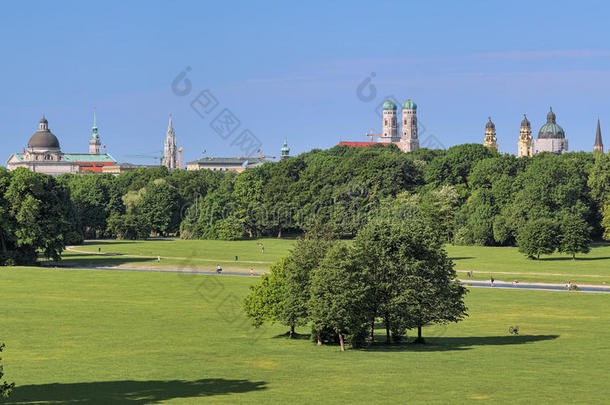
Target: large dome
43, 138
409, 105
551, 130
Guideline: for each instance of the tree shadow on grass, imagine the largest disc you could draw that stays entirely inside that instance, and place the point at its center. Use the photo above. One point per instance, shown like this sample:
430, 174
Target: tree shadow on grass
440, 344
129, 392
84, 260
295, 336
462, 258
554, 259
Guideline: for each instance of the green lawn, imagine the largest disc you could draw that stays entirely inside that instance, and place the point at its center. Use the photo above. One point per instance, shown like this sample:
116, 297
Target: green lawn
592, 268
506, 263
92, 336
180, 254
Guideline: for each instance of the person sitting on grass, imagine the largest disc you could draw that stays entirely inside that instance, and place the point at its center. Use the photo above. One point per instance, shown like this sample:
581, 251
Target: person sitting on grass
218, 269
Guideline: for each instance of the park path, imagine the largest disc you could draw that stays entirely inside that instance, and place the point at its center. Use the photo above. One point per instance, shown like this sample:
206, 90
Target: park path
72, 249
532, 273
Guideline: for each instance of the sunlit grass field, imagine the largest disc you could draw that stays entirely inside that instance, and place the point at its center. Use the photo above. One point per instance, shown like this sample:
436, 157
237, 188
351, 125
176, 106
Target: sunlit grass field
93, 336
505, 263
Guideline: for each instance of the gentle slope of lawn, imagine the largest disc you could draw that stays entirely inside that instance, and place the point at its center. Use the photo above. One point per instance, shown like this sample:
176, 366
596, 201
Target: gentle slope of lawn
205, 255
88, 336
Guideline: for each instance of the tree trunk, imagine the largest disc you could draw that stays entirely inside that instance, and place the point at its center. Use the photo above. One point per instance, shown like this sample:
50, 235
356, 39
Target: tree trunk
372, 332
319, 336
387, 331
573, 256
341, 341
3, 243
279, 233
419, 339
291, 331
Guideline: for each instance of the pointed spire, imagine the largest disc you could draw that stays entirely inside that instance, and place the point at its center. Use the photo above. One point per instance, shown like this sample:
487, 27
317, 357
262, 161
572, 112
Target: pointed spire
599, 145
170, 126
94, 119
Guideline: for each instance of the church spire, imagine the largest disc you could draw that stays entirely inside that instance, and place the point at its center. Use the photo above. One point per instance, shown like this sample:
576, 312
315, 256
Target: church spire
169, 148
599, 145
95, 145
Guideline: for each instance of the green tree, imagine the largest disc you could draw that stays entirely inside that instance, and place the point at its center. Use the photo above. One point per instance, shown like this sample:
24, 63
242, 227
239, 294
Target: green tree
265, 302
37, 208
575, 235
606, 221
338, 295
160, 205
400, 254
5, 387
538, 236
305, 256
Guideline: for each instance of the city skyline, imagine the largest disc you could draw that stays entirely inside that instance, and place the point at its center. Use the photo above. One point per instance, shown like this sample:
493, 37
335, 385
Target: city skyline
305, 83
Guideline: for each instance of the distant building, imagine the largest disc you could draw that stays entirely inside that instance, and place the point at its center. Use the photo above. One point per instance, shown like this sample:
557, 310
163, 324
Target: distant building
43, 154
224, 164
123, 167
551, 137
599, 145
490, 139
408, 139
169, 148
285, 151
525, 147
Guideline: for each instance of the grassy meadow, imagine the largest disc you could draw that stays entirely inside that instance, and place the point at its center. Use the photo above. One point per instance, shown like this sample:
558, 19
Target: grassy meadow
504, 263
92, 336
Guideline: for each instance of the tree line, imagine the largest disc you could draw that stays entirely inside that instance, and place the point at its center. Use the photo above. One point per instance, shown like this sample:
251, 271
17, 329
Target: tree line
473, 195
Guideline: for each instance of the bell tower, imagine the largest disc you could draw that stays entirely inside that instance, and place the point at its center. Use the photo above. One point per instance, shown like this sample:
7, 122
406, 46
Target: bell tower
95, 144
490, 139
526, 142
409, 139
389, 122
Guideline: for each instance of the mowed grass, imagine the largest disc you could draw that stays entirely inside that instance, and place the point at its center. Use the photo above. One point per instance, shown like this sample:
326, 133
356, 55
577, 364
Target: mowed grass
202, 255
93, 336
592, 268
505, 263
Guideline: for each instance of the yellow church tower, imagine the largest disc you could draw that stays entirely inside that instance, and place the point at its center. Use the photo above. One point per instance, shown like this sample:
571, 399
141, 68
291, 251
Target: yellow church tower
490, 135
526, 142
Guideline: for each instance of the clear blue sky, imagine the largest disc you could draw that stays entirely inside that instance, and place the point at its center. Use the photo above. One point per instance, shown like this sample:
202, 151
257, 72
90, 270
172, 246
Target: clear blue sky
292, 69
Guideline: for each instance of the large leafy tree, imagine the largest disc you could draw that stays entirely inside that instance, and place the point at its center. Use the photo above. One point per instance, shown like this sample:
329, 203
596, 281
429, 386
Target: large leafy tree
338, 295
266, 300
537, 237
305, 256
412, 282
575, 235
160, 205
38, 207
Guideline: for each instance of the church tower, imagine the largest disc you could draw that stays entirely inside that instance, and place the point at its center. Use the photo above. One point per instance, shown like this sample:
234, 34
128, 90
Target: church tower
389, 124
285, 151
490, 135
409, 140
599, 145
169, 149
526, 142
95, 145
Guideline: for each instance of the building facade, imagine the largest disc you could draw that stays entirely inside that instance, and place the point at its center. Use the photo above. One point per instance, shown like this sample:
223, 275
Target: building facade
43, 154
226, 164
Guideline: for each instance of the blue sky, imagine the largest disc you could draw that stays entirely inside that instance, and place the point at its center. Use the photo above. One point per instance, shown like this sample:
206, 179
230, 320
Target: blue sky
292, 69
